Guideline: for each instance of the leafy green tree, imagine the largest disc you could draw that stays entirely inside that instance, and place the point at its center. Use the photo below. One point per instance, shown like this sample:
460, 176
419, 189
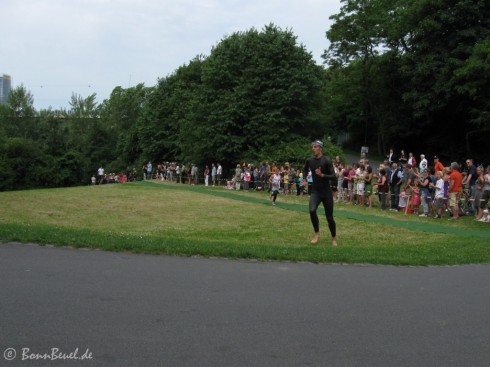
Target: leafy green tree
260, 89
414, 63
84, 107
473, 79
21, 102
23, 162
358, 37
120, 114
18, 117
167, 129
444, 37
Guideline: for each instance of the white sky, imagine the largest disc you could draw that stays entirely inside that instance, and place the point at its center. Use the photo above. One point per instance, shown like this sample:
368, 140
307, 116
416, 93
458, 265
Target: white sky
59, 47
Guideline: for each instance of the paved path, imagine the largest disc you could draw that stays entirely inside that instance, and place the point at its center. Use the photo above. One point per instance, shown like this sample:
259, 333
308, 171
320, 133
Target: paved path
125, 309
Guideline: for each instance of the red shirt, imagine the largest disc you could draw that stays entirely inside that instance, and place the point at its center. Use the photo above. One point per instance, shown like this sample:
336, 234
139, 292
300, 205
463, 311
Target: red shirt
457, 179
439, 167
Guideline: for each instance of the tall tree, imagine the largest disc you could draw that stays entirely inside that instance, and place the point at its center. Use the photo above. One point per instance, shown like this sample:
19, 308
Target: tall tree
260, 88
120, 114
416, 64
19, 116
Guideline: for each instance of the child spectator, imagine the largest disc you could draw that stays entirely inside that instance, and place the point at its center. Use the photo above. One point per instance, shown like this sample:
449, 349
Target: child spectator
485, 217
402, 202
439, 195
415, 199
360, 174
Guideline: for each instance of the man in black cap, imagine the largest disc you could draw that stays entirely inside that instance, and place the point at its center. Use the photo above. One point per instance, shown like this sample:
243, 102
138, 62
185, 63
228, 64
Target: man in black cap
438, 166
323, 173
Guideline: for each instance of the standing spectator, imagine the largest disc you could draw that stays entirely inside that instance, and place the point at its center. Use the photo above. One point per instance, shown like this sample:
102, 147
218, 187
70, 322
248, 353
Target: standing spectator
189, 172
219, 172
424, 183
238, 177
100, 174
350, 182
480, 183
470, 183
160, 171
455, 185
267, 175
309, 181
247, 178
423, 163
439, 195
178, 173
395, 181
391, 157
411, 160
195, 174
445, 177
486, 190
149, 170
415, 198
360, 184
345, 183
256, 178
410, 177
262, 175
299, 183
206, 175
368, 186
382, 188
340, 179
285, 179
402, 201
213, 174
403, 159
438, 166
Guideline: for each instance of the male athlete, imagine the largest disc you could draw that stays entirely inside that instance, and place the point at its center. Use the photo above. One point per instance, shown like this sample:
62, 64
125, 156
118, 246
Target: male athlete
323, 173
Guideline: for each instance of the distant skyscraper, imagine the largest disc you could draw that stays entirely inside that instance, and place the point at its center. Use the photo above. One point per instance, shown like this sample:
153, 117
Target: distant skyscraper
5, 85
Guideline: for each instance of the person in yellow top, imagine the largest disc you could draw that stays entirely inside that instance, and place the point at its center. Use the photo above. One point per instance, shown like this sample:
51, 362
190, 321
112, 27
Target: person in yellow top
285, 181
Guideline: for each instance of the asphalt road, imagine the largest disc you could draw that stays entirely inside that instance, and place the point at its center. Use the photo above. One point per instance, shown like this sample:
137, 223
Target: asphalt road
122, 309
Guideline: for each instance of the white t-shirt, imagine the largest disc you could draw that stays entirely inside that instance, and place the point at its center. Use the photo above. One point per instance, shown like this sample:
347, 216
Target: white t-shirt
276, 182
439, 189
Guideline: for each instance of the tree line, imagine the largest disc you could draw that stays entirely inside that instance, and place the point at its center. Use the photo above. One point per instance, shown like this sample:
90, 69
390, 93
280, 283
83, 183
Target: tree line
412, 74
407, 74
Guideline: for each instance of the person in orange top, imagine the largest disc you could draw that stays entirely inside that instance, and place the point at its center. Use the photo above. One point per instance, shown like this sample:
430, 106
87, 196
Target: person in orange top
455, 184
438, 166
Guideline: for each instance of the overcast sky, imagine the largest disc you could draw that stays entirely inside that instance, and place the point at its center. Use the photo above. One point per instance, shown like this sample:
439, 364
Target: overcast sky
59, 47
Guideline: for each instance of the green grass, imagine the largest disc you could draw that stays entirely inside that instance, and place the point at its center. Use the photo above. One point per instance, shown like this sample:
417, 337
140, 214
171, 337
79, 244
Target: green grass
164, 218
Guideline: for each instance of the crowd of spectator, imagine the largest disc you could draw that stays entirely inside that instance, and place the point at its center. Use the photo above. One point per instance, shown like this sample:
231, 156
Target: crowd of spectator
401, 183
424, 188
108, 178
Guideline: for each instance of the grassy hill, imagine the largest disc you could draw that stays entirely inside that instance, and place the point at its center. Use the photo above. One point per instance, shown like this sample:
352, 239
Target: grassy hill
166, 218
